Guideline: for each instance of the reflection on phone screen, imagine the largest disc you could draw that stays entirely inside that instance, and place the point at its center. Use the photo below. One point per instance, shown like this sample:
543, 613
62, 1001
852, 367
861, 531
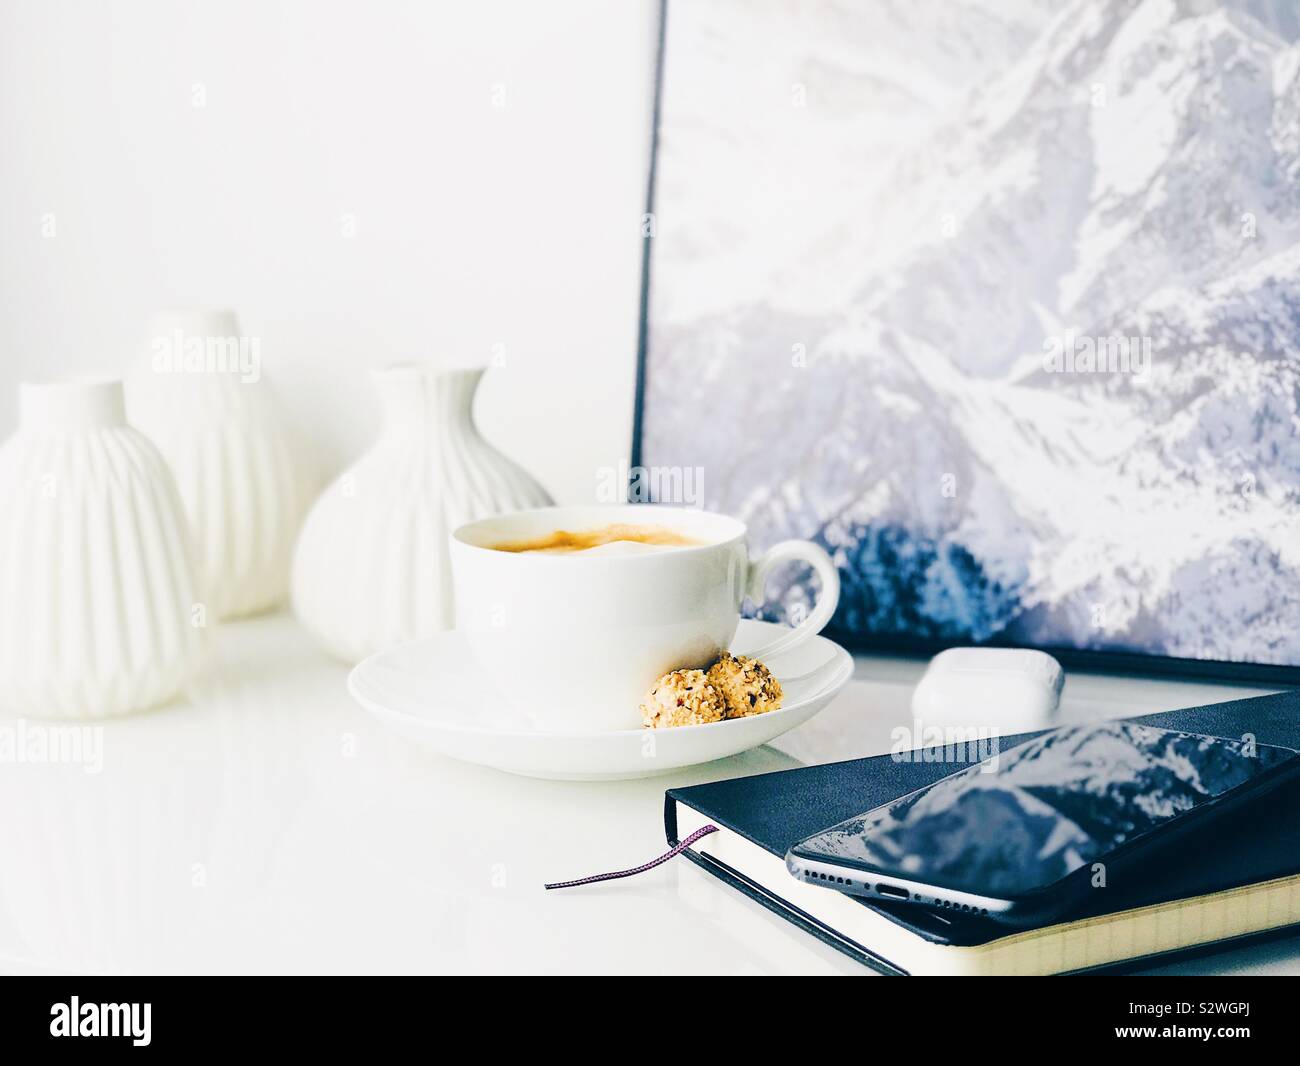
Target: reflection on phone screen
1054, 805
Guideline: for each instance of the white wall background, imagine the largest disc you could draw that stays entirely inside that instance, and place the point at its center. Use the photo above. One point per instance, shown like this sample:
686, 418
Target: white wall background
206, 153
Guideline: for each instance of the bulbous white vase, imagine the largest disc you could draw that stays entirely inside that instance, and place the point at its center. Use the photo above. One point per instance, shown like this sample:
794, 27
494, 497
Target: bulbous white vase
97, 586
200, 396
371, 567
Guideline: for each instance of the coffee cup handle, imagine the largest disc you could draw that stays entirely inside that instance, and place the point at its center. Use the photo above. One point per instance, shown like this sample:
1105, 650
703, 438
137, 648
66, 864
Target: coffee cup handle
787, 551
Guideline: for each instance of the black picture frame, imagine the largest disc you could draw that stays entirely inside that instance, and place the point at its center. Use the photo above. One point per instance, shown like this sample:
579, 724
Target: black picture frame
1131, 663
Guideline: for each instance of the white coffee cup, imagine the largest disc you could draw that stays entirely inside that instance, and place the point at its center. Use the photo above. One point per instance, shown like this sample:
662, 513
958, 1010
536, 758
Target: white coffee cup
576, 639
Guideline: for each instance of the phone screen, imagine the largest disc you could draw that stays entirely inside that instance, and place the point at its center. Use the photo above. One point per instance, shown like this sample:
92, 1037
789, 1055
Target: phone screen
1042, 810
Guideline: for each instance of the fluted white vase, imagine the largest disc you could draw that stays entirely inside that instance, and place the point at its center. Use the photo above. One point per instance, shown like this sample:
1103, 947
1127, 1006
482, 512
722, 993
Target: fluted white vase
97, 585
199, 394
371, 567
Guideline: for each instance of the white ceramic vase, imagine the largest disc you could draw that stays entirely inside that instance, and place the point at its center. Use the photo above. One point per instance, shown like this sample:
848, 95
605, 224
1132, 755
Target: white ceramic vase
371, 568
200, 396
97, 586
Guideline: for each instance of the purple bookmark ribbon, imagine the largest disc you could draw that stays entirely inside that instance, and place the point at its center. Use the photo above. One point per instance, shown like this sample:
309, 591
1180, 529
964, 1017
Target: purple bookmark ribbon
638, 869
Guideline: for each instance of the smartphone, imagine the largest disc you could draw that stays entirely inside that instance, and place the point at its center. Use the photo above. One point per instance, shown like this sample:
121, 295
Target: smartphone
1024, 836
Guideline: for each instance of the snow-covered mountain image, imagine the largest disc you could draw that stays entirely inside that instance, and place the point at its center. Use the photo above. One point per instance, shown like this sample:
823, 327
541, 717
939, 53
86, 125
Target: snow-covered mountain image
1000, 301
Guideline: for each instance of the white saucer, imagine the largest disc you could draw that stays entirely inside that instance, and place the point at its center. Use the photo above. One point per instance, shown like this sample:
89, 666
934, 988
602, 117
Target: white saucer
430, 691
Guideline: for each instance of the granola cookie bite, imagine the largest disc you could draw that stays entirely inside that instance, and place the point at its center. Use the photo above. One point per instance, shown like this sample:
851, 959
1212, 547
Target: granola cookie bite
746, 685
682, 697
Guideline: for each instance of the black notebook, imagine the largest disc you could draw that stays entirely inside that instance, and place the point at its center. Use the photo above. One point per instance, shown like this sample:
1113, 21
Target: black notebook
1241, 879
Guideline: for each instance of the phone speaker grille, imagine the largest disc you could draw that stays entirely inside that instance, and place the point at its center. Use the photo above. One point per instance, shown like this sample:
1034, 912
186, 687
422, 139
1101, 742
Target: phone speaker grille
949, 905
813, 875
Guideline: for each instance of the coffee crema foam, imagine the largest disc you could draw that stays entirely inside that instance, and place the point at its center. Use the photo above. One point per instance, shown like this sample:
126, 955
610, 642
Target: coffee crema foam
619, 538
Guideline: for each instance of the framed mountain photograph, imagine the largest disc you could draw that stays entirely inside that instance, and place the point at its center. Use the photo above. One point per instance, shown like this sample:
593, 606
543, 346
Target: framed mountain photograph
999, 301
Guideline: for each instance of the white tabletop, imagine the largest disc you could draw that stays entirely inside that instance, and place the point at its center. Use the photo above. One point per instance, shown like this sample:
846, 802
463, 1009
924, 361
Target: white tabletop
267, 824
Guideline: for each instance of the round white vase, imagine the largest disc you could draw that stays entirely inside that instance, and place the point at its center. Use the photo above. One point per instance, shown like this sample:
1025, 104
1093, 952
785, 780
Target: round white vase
371, 568
97, 613
200, 396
